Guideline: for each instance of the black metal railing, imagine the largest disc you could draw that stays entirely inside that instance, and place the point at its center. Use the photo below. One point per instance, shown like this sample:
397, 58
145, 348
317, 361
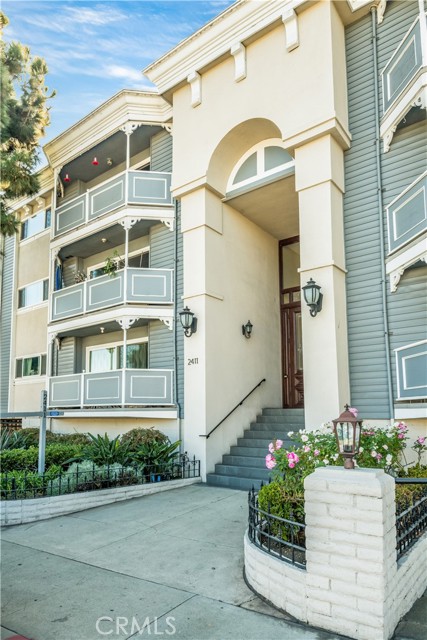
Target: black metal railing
239, 404
281, 537
411, 512
27, 484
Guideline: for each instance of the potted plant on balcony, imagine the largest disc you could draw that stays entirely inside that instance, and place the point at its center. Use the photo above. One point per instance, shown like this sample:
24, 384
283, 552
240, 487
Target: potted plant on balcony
79, 276
113, 263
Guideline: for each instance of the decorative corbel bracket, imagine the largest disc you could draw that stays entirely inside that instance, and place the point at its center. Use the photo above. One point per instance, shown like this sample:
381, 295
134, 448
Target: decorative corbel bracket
168, 322
195, 81
126, 323
129, 127
290, 20
169, 223
381, 7
238, 51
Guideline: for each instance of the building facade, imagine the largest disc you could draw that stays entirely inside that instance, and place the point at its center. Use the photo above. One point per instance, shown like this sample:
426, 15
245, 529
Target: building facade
286, 142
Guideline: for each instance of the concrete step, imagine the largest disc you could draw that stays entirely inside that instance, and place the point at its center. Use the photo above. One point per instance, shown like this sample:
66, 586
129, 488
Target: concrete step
278, 411
256, 452
244, 461
288, 423
271, 426
243, 484
266, 436
247, 472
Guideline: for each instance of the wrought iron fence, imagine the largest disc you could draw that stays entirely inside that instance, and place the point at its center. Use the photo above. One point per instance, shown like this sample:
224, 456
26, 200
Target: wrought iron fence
411, 512
282, 538
27, 484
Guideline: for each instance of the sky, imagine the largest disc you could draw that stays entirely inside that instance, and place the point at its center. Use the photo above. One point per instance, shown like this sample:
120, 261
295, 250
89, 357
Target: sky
94, 49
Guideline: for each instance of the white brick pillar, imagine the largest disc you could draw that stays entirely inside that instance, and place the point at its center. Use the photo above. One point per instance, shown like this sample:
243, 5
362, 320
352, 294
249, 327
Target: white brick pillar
351, 557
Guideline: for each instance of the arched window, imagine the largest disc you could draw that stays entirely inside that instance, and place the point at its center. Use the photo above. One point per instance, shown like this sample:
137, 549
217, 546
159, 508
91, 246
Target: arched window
265, 161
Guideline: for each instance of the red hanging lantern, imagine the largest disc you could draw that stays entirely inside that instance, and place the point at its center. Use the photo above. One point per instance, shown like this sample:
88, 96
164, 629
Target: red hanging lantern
95, 161
67, 178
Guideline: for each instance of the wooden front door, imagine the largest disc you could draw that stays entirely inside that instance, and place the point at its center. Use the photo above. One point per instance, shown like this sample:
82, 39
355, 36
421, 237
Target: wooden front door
290, 306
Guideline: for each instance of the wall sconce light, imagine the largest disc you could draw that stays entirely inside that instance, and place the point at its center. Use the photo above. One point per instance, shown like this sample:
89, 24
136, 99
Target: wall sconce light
102, 329
313, 297
67, 178
188, 321
110, 162
347, 429
95, 162
247, 329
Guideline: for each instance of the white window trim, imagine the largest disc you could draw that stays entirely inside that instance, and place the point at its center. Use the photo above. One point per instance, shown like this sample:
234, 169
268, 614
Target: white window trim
261, 172
398, 197
396, 267
37, 376
37, 304
399, 381
108, 345
36, 236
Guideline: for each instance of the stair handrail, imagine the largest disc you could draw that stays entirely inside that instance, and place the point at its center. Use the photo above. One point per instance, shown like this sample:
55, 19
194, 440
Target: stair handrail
203, 435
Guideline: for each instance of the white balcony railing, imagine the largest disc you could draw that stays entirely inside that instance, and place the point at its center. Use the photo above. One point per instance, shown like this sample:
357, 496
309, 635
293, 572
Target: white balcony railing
127, 286
121, 387
127, 189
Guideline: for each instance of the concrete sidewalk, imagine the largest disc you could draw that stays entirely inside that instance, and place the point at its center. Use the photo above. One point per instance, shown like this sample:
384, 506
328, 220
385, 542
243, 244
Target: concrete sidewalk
169, 564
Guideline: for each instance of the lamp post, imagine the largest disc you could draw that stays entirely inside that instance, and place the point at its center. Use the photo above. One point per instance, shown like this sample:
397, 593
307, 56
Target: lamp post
347, 429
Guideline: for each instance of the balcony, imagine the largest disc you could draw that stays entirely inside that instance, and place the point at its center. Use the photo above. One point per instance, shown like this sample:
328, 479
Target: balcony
121, 387
127, 286
134, 190
404, 79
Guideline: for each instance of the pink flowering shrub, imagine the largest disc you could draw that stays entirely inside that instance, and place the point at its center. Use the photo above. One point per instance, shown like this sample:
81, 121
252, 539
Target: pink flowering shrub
380, 448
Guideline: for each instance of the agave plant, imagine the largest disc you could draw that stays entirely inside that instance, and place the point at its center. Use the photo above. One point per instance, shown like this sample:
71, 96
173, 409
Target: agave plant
156, 455
12, 440
103, 451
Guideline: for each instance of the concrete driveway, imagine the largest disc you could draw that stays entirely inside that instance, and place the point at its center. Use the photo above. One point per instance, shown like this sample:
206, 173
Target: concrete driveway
168, 564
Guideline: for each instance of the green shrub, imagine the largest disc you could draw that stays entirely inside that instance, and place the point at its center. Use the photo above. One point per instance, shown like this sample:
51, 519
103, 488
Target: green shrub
17, 485
135, 438
274, 498
21, 459
31, 436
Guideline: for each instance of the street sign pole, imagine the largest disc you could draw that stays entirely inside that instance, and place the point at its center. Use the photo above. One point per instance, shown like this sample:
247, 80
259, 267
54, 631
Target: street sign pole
42, 432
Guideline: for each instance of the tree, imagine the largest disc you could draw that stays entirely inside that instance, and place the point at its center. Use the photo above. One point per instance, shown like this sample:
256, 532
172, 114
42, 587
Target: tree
24, 117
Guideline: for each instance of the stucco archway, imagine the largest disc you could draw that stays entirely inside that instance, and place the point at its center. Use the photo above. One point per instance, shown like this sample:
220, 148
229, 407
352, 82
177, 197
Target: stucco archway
233, 145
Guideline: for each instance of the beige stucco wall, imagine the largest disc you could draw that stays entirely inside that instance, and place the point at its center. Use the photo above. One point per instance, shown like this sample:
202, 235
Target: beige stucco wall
30, 268
230, 275
296, 90
113, 426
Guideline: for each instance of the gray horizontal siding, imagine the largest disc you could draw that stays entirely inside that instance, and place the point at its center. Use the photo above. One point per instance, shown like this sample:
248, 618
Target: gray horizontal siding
399, 167
66, 356
367, 361
6, 319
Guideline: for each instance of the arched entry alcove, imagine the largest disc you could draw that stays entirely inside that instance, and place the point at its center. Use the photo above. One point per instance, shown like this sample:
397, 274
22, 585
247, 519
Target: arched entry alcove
256, 176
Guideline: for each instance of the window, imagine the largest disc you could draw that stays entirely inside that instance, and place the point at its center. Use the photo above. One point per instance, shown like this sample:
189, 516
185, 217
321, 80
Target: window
31, 366
109, 358
35, 224
265, 161
33, 294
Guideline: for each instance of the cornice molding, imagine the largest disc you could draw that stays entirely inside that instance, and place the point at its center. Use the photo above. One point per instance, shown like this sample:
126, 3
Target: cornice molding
332, 126
138, 106
238, 23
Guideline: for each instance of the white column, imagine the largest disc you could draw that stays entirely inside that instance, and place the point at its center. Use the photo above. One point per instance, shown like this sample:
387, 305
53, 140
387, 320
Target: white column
319, 179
